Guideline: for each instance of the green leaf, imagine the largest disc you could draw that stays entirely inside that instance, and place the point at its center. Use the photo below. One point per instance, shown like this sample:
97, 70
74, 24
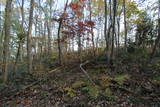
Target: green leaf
78, 84
121, 78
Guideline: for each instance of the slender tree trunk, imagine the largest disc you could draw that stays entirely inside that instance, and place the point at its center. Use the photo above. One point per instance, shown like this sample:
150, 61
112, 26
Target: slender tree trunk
59, 44
49, 38
158, 38
22, 24
116, 40
17, 55
7, 39
118, 24
105, 24
106, 34
113, 27
79, 47
93, 44
109, 24
29, 37
125, 23
1, 44
45, 41
1, 36
49, 28
59, 38
20, 44
72, 44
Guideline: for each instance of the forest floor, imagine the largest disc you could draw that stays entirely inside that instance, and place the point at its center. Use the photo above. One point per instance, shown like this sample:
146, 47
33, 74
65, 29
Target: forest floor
125, 84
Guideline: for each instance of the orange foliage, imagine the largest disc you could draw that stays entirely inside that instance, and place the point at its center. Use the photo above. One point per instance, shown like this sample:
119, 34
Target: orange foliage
75, 6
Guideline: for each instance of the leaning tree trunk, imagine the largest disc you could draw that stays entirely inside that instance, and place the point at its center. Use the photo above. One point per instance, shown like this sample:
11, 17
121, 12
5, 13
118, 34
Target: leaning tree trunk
29, 37
7, 26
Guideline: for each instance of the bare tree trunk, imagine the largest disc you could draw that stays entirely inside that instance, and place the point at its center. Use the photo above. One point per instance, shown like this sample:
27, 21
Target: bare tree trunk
18, 54
79, 47
105, 24
7, 39
29, 37
72, 44
21, 37
59, 44
118, 24
22, 24
158, 38
1, 44
107, 34
113, 26
1, 37
93, 44
58, 36
45, 40
125, 23
49, 38
49, 28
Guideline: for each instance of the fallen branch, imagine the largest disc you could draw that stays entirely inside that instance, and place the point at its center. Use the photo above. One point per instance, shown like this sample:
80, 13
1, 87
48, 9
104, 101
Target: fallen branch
87, 75
56, 69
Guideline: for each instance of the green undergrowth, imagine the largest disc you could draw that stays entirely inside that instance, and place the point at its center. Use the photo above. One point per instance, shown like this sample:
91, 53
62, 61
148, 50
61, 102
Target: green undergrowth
121, 78
102, 88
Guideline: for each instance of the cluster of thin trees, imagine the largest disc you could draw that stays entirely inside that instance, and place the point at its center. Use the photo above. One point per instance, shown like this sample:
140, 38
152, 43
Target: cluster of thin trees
107, 20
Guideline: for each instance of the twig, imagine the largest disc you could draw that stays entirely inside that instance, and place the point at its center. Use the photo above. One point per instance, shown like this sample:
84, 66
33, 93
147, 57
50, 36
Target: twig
87, 75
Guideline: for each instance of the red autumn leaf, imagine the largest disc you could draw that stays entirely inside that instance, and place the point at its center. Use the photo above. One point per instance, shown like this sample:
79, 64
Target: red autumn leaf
80, 23
81, 29
90, 23
87, 38
55, 19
